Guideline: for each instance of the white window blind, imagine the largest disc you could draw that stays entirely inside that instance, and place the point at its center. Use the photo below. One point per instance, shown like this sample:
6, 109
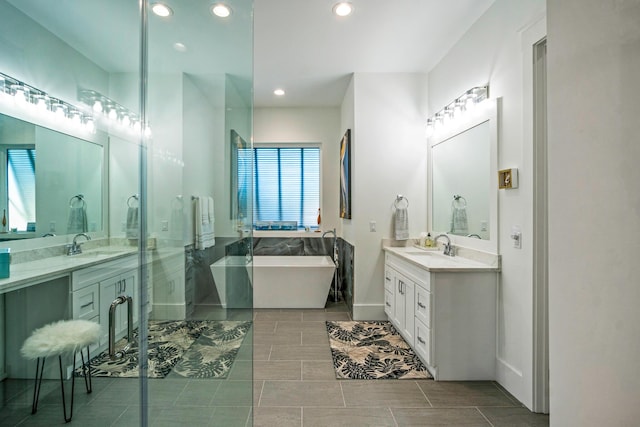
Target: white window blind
21, 186
287, 184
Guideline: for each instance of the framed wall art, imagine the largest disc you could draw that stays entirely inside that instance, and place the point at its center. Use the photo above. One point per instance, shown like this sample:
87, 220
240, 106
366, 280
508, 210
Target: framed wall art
345, 175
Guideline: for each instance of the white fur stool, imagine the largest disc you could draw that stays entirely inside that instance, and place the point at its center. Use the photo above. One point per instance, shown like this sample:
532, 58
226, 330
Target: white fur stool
56, 339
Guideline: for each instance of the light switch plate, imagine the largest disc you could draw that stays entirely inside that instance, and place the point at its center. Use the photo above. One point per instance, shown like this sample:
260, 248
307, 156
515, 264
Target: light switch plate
372, 226
516, 236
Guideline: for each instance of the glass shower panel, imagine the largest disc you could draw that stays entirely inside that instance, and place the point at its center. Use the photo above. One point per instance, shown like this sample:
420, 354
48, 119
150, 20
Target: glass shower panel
69, 88
199, 94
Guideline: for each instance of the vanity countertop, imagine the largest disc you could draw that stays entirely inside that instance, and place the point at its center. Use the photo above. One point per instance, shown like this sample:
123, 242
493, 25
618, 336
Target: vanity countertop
436, 261
32, 272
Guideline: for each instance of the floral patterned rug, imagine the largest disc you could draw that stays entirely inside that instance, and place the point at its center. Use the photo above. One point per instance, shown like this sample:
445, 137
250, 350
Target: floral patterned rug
188, 349
372, 351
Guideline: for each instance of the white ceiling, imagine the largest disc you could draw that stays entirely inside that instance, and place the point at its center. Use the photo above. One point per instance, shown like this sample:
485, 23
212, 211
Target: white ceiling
298, 45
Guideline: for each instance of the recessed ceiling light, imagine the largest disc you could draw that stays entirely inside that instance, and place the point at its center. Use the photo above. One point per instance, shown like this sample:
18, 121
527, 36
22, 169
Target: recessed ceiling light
278, 92
161, 9
221, 10
344, 8
179, 47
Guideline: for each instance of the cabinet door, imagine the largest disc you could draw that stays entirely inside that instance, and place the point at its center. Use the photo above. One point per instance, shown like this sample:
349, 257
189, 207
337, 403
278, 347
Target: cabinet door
409, 318
399, 303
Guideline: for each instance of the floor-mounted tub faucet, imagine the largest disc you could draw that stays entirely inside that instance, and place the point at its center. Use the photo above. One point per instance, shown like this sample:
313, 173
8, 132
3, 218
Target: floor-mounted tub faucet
448, 248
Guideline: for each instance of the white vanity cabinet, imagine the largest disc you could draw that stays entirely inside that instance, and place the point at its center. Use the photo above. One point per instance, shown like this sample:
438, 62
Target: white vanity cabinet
93, 289
401, 301
452, 313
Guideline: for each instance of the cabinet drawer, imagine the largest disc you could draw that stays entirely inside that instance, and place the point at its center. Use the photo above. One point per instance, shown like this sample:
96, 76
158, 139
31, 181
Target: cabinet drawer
388, 302
423, 306
422, 343
86, 302
388, 278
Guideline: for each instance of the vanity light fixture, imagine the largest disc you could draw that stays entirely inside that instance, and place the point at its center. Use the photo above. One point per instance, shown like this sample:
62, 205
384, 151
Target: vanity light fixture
344, 8
29, 97
279, 92
161, 10
465, 102
221, 10
111, 111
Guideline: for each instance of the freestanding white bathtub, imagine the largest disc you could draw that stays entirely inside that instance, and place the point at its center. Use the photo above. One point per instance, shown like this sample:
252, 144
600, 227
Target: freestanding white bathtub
291, 281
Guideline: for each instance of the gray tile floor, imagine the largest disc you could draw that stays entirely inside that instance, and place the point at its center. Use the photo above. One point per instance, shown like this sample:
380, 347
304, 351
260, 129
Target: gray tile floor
293, 385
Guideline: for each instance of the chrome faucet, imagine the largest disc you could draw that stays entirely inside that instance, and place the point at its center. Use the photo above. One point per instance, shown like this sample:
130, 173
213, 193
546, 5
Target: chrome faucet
448, 248
74, 248
335, 244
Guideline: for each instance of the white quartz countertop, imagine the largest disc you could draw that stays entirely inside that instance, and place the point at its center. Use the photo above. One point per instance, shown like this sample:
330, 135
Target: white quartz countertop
436, 261
32, 272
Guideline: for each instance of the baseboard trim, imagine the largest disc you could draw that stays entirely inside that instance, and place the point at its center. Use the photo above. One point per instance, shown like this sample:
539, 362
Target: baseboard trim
169, 311
369, 312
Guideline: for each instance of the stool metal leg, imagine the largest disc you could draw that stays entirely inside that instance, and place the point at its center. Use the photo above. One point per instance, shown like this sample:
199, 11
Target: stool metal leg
86, 370
73, 383
38, 383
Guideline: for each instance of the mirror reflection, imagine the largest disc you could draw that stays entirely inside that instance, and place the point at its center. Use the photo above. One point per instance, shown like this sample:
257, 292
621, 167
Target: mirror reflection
59, 193
461, 175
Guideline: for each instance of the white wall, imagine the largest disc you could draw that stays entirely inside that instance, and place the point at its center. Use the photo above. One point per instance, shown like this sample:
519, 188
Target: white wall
491, 52
389, 150
308, 125
594, 206
203, 145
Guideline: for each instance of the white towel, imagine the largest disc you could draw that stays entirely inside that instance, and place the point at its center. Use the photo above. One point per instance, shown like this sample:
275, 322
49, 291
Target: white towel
204, 222
402, 224
132, 223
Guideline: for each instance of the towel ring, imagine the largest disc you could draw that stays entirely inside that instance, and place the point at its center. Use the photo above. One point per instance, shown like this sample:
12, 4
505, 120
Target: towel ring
134, 197
78, 197
399, 199
459, 201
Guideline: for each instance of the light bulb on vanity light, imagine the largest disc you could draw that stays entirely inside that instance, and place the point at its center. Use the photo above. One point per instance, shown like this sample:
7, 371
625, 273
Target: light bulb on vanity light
20, 93
97, 106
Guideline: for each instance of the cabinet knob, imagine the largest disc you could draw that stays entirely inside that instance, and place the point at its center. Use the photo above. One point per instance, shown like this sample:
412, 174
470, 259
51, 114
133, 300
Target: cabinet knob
387, 303
421, 340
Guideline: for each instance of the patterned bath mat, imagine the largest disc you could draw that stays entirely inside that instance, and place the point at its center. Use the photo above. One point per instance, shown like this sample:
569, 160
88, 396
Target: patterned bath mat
189, 349
372, 351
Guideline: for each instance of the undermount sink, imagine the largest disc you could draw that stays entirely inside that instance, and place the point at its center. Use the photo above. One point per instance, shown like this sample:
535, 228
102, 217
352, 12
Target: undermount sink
100, 253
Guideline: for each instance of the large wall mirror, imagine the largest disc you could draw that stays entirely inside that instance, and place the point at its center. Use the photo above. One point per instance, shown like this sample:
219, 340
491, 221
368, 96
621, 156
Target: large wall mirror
463, 180
50, 182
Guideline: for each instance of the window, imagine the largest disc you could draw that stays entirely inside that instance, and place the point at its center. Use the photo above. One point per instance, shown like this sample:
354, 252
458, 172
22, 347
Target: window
287, 184
21, 187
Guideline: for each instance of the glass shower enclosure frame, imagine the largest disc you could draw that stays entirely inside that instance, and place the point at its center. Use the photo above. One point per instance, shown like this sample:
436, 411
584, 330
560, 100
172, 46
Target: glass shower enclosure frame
167, 103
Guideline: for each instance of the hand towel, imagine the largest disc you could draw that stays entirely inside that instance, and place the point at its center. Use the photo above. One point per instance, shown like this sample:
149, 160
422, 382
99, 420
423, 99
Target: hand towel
459, 223
402, 224
204, 232
132, 223
77, 220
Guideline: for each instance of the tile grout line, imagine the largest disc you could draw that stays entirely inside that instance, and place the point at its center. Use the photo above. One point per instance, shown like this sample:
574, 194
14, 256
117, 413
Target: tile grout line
393, 417
344, 401
424, 394
484, 416
302, 416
